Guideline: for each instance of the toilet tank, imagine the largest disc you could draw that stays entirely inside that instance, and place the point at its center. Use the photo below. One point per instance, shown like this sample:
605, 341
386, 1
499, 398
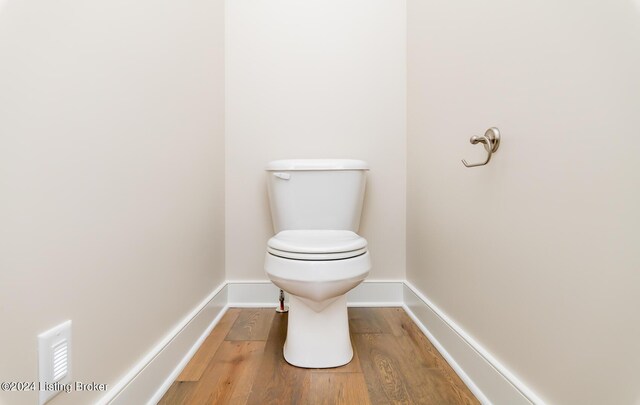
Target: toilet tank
316, 193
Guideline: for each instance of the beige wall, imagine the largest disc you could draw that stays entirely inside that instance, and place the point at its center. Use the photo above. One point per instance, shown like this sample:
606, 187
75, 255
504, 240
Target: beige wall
111, 178
535, 255
315, 79
112, 160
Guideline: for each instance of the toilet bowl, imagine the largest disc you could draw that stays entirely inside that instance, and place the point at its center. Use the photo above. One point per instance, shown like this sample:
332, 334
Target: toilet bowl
317, 270
316, 255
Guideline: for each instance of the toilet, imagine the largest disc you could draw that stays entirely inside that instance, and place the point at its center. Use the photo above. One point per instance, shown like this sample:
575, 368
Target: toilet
316, 255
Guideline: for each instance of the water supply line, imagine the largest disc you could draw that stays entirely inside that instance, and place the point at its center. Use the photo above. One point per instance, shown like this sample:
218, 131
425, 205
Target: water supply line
281, 307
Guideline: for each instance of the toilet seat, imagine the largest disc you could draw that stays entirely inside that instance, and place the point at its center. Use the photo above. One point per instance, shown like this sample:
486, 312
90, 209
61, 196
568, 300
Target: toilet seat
317, 245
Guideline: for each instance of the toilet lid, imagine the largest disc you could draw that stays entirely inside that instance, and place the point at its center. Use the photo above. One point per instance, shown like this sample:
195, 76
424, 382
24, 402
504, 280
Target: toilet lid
317, 244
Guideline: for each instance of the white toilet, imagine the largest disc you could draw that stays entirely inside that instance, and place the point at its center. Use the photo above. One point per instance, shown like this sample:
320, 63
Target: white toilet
316, 256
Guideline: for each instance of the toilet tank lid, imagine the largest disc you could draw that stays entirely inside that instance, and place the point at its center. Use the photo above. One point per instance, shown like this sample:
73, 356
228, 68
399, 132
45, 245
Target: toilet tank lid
317, 164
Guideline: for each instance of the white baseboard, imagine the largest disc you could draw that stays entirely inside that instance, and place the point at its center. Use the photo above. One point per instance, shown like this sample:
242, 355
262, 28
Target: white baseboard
263, 293
487, 378
376, 293
153, 375
254, 293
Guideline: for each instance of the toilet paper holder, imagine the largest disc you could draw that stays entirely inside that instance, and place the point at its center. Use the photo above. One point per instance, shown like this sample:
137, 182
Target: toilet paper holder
491, 142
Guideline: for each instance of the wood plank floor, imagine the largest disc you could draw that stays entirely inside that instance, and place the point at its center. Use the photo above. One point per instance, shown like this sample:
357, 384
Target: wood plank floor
241, 363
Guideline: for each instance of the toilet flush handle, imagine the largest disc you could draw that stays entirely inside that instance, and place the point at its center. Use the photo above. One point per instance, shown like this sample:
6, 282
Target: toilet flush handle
283, 176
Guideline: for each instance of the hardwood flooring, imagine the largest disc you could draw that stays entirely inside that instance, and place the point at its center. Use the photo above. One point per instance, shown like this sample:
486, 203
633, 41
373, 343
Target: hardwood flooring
241, 363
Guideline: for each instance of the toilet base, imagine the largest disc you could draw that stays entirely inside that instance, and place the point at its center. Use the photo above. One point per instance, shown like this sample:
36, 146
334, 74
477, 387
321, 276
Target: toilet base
318, 339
